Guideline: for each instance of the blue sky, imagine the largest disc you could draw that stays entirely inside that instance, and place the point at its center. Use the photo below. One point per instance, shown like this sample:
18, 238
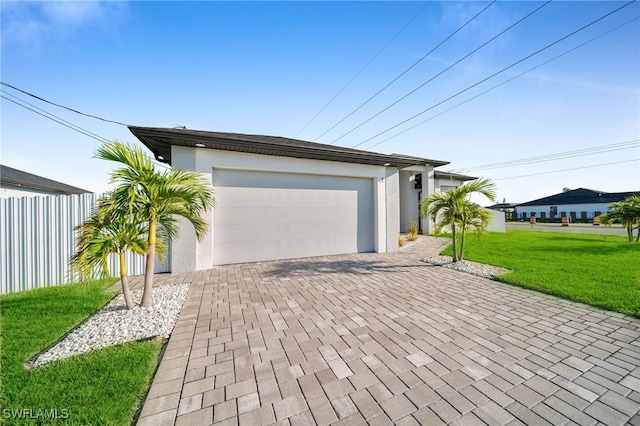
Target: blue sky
269, 67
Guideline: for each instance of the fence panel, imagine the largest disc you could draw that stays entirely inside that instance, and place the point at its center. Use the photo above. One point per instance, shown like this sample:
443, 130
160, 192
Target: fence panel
37, 238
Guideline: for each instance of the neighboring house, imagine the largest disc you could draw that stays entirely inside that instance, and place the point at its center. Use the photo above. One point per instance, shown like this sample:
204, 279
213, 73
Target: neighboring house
509, 209
16, 183
280, 198
578, 204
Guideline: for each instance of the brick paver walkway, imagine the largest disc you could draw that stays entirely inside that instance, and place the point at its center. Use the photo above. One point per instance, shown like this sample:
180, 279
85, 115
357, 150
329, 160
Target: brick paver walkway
385, 339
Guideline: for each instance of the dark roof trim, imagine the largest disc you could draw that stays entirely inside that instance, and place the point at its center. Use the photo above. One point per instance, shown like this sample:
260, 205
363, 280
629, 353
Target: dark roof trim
503, 206
160, 141
452, 176
580, 196
11, 176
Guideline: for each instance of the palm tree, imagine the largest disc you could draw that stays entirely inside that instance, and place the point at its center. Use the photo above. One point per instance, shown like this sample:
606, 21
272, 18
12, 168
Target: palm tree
158, 197
448, 208
627, 212
109, 230
472, 216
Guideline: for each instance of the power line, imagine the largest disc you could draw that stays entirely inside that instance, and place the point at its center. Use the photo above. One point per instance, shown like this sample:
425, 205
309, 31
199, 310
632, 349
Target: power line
494, 74
24, 104
61, 106
406, 71
59, 121
363, 68
503, 83
567, 170
49, 116
442, 72
559, 156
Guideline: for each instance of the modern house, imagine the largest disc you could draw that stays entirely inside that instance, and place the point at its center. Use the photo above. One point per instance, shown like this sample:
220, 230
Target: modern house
16, 183
578, 204
281, 198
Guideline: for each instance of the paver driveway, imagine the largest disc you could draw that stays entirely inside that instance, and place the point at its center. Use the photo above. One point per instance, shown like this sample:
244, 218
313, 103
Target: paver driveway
385, 339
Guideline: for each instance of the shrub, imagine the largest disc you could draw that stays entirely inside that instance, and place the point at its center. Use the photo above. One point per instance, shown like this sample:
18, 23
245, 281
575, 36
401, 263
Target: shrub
400, 241
412, 231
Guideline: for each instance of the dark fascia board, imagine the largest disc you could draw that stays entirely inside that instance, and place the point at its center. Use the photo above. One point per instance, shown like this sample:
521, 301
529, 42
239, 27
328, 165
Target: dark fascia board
580, 196
503, 206
15, 177
160, 141
452, 176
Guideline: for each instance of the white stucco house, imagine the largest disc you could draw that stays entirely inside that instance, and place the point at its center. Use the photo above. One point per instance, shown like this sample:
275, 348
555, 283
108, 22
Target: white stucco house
280, 198
16, 183
578, 204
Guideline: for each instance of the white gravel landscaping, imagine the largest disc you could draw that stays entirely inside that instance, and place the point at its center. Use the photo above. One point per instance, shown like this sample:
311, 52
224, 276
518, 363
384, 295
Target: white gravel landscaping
473, 268
114, 324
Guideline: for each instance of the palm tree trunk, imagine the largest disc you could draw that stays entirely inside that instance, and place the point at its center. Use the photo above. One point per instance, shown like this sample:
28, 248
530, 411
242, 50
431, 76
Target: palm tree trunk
630, 233
638, 236
453, 236
462, 234
147, 296
124, 279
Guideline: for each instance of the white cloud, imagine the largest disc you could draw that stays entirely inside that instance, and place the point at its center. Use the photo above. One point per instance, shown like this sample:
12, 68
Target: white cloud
32, 23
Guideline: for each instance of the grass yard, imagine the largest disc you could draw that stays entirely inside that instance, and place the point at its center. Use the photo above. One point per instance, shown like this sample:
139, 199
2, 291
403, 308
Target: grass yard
600, 270
102, 387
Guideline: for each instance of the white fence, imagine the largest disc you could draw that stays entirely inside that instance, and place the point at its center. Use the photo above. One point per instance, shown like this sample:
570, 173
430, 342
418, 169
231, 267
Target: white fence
497, 223
37, 238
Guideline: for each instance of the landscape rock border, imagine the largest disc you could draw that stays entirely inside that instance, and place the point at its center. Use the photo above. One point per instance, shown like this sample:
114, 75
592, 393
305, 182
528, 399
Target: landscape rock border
113, 324
473, 268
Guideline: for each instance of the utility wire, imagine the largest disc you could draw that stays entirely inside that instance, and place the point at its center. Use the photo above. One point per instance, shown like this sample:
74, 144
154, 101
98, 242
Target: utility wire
406, 71
363, 68
567, 170
406, 95
59, 121
503, 83
53, 117
49, 116
559, 156
494, 74
61, 106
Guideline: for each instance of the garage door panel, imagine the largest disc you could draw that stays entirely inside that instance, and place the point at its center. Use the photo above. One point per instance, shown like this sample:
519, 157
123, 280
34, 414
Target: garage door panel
252, 197
252, 251
274, 215
284, 231
267, 216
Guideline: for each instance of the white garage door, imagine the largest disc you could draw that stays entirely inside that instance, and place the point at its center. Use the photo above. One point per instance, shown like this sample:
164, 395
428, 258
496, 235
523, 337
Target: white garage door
268, 216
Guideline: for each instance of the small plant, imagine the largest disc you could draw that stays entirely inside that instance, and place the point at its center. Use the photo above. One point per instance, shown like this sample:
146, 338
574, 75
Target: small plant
400, 241
412, 231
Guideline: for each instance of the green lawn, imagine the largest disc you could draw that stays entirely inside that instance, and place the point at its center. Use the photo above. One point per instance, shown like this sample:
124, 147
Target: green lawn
102, 387
600, 270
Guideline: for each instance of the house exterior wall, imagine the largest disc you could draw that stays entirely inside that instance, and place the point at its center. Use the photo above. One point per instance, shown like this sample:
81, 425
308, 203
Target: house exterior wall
392, 206
410, 196
429, 187
524, 212
408, 199
7, 191
443, 185
188, 254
